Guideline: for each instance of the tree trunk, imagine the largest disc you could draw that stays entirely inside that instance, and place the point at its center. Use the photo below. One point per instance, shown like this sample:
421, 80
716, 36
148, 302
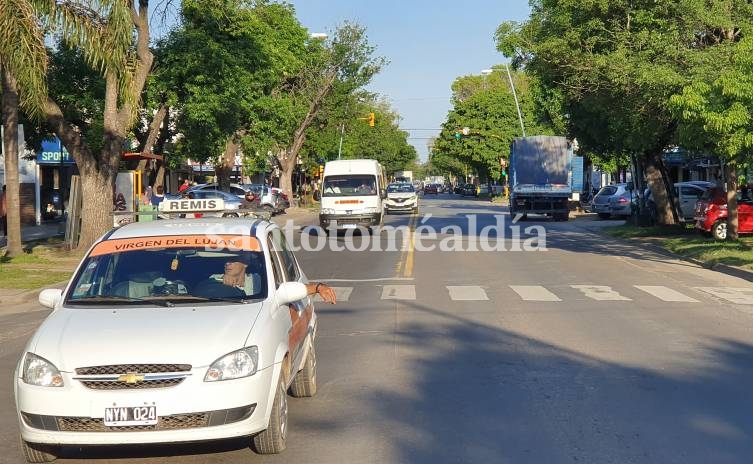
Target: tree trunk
286, 177
10, 141
660, 191
732, 216
227, 163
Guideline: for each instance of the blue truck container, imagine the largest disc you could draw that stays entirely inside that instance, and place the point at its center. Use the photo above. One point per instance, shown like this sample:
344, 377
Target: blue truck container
541, 176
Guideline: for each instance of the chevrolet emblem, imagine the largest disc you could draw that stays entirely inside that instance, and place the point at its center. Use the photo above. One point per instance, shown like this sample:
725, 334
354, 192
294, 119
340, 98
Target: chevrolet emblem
131, 377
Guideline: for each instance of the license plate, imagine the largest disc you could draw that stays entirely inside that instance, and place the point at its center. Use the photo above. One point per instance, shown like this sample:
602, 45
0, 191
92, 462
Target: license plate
349, 226
135, 415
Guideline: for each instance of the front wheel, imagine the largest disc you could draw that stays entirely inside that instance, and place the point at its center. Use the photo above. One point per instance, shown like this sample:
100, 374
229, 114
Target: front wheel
719, 230
272, 440
34, 452
304, 383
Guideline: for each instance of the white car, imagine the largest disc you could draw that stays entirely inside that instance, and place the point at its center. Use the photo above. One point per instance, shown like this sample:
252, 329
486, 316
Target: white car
401, 197
149, 343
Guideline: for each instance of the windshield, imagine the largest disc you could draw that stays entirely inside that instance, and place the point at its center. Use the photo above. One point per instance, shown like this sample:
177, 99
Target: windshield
402, 188
349, 185
154, 269
608, 190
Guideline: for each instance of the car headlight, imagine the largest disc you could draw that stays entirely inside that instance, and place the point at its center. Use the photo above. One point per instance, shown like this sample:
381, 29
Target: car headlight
39, 371
235, 365
327, 211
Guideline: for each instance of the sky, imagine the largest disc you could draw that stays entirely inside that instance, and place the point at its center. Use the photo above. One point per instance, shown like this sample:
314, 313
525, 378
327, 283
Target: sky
428, 44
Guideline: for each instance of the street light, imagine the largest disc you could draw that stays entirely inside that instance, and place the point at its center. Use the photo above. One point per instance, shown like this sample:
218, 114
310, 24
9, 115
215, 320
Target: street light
486, 72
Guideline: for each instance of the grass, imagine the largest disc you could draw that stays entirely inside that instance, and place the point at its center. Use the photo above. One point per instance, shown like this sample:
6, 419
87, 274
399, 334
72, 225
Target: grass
36, 268
25, 279
686, 242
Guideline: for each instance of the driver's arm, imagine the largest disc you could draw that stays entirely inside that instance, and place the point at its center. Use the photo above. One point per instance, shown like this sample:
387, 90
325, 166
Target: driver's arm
325, 291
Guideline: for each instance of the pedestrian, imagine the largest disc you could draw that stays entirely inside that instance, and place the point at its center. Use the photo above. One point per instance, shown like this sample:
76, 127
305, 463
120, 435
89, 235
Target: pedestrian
146, 198
159, 195
186, 183
4, 211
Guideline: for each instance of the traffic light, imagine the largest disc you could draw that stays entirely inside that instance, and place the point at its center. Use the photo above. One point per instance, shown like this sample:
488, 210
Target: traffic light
371, 119
458, 136
321, 170
504, 173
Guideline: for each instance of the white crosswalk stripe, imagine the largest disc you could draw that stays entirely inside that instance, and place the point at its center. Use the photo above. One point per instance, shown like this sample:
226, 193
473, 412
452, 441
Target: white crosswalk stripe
467, 293
399, 292
743, 296
534, 293
600, 293
665, 293
342, 294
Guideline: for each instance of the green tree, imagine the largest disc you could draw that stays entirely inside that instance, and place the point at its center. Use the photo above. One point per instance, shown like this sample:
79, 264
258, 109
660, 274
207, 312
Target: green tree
616, 63
716, 114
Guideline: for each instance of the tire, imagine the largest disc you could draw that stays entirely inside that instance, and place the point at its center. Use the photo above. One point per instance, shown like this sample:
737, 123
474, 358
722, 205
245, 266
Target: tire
304, 383
233, 215
604, 215
719, 230
34, 452
268, 209
561, 217
272, 440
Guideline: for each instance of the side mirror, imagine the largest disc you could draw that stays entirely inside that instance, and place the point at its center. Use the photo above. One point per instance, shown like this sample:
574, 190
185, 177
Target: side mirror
383, 193
289, 292
50, 297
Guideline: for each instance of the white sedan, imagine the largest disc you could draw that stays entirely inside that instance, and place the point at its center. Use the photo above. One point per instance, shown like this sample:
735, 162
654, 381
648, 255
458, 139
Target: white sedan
401, 197
171, 331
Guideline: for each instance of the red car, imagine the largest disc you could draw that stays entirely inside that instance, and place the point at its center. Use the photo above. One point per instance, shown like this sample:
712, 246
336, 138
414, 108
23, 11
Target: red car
430, 188
711, 212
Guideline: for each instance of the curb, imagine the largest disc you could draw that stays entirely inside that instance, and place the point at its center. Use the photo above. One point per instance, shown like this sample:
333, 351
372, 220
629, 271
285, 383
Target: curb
717, 267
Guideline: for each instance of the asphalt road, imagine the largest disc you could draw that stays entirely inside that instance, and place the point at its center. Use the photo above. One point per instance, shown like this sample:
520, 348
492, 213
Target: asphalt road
589, 351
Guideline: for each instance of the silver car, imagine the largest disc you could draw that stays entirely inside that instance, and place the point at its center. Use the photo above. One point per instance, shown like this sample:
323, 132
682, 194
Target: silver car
600, 202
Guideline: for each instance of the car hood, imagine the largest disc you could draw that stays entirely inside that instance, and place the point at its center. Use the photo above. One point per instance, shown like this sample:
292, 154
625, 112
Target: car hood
395, 195
196, 335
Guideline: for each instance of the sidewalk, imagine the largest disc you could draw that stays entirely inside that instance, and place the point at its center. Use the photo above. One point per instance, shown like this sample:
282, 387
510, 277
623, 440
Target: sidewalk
40, 232
596, 226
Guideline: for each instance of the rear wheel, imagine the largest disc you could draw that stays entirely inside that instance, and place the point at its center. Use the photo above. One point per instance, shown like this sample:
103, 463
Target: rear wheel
719, 230
304, 383
604, 215
34, 452
272, 440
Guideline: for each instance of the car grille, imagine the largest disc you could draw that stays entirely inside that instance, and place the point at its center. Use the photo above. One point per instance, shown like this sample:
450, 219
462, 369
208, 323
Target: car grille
118, 385
132, 376
172, 422
140, 368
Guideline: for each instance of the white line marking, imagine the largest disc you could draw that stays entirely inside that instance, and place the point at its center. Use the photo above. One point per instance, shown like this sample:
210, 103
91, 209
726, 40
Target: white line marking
736, 295
342, 294
399, 292
467, 293
665, 294
600, 293
534, 293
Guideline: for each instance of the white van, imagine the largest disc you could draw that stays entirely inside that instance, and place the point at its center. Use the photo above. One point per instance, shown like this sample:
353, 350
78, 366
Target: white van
353, 193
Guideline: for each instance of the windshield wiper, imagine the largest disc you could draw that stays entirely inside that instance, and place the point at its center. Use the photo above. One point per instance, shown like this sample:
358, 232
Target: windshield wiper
117, 298
216, 299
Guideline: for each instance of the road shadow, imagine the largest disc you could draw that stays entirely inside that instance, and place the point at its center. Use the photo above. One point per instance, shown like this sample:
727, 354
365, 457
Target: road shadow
487, 395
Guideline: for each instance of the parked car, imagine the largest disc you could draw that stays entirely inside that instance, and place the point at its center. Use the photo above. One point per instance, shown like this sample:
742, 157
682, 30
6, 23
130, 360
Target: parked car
269, 200
623, 203
711, 212
235, 189
147, 344
459, 189
600, 202
687, 195
469, 190
401, 197
430, 189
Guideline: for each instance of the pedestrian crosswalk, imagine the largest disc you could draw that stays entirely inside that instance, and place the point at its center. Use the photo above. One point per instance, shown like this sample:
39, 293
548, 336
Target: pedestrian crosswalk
560, 293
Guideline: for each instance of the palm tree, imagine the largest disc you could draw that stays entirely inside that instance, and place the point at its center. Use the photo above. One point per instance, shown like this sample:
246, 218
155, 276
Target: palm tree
105, 36
19, 30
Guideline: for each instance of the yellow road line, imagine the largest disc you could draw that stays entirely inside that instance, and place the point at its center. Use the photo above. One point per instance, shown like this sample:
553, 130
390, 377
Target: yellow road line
408, 270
